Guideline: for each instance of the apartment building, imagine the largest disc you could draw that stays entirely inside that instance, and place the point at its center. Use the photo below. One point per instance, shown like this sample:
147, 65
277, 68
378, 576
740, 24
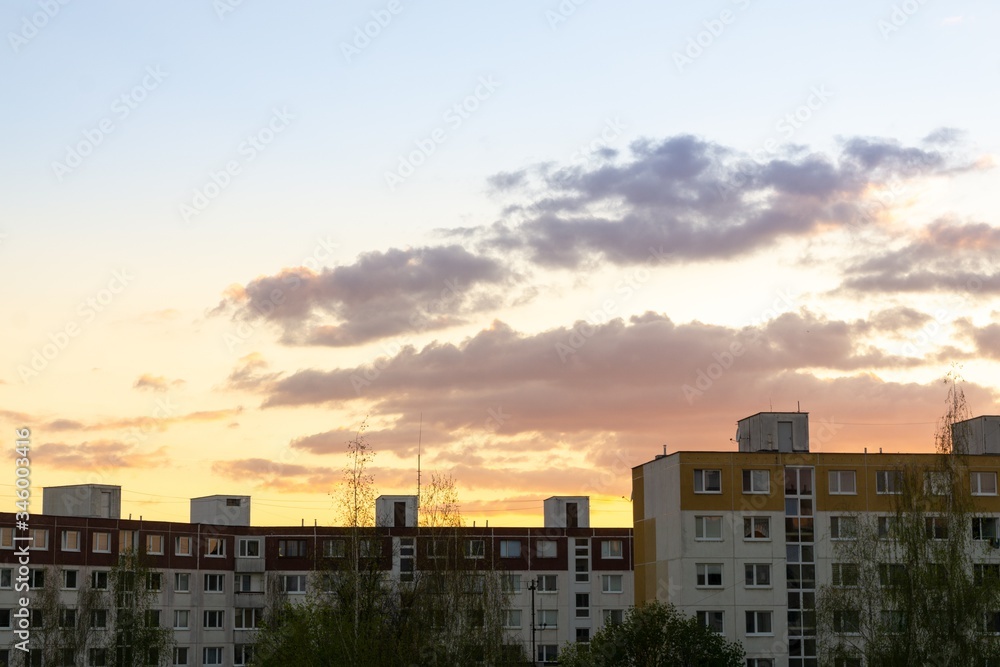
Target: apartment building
213, 571
744, 539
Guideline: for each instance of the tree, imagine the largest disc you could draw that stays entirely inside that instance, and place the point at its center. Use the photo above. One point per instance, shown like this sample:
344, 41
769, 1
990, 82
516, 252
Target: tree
136, 638
61, 632
654, 635
447, 613
918, 586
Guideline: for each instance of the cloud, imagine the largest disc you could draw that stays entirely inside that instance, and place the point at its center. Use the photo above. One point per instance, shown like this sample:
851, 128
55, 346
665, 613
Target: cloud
155, 383
691, 199
144, 424
382, 294
400, 439
99, 455
281, 476
648, 351
945, 256
249, 373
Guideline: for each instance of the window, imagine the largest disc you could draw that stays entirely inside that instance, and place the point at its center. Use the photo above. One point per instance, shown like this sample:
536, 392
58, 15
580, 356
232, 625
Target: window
758, 575
211, 655
984, 528
847, 662
67, 618
760, 662
36, 579
71, 540
759, 623
182, 619
5, 619
99, 618
293, 583
6, 577
370, 547
611, 549
548, 583
510, 548
242, 654
843, 482
183, 546
154, 581
756, 481
891, 574
708, 527
709, 574
711, 620
611, 583
215, 547
98, 657
548, 653
70, 579
985, 572
154, 544
437, 548
613, 616
845, 574
708, 481
248, 617
291, 548
991, 623
548, 618
101, 543
843, 527
936, 527
214, 619
180, 655
335, 548
215, 583
893, 620
182, 582
756, 528
847, 622
6, 538
127, 540
581, 562
545, 549
248, 583
888, 481
582, 605
475, 548
99, 580
39, 539
512, 583
983, 483
886, 527
512, 618
37, 618
152, 618
936, 483
583, 635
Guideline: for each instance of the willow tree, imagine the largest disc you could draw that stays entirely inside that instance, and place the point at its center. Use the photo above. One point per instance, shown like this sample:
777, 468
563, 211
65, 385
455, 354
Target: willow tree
136, 636
919, 585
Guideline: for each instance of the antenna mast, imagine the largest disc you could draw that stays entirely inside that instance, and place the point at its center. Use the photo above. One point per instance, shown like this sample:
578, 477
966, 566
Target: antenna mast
420, 434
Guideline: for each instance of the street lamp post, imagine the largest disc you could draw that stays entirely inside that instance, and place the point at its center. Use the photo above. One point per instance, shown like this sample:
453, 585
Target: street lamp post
531, 587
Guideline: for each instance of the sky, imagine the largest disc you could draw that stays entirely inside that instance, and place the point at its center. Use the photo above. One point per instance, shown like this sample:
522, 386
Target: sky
536, 242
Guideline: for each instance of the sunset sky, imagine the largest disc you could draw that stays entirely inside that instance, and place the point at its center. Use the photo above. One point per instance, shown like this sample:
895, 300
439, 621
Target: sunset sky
554, 237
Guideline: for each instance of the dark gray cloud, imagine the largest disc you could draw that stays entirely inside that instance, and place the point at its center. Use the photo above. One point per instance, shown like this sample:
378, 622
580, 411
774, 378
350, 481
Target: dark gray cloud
698, 200
382, 294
